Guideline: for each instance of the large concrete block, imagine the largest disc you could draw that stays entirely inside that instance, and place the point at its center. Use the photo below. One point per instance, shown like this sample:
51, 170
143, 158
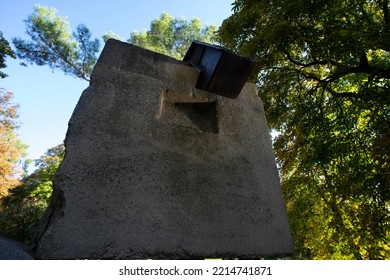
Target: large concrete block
155, 168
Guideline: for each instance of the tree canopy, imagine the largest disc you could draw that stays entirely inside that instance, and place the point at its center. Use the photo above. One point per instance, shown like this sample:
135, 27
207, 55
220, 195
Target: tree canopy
5, 50
173, 36
53, 44
324, 77
11, 148
23, 208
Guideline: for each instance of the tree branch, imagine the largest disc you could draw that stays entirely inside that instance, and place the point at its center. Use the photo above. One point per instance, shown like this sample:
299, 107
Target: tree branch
79, 73
57, 54
305, 65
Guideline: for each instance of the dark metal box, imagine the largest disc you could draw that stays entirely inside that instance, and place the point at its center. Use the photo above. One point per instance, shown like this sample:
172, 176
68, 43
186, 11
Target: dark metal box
221, 71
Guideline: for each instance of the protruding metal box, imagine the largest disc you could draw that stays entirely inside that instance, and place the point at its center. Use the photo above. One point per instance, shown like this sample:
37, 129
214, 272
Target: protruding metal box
221, 71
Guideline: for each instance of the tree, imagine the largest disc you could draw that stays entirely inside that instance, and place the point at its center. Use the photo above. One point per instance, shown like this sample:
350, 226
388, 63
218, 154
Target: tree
23, 208
54, 45
172, 36
11, 148
5, 51
324, 76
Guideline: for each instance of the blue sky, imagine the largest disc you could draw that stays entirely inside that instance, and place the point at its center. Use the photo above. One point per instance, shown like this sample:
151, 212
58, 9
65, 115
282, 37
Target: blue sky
47, 98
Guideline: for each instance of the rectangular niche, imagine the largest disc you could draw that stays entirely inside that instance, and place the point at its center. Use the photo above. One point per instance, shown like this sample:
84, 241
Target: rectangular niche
201, 116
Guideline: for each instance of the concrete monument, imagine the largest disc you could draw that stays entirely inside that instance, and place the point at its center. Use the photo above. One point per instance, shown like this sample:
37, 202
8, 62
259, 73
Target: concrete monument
155, 168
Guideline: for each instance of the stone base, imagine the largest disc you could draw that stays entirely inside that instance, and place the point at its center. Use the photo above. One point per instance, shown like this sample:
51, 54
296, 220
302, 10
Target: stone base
155, 168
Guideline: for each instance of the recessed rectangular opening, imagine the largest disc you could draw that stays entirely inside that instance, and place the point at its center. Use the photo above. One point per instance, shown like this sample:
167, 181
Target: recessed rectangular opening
189, 111
202, 115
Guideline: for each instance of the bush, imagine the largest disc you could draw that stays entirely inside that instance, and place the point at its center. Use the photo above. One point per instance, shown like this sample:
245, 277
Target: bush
23, 208
19, 220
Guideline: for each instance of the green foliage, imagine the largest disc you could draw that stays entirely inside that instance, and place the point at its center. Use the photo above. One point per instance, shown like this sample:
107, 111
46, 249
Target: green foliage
22, 210
19, 221
324, 77
53, 44
5, 51
173, 36
111, 35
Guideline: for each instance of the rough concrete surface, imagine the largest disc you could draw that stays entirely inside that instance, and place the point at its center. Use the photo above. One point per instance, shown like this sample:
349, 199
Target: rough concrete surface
13, 250
155, 168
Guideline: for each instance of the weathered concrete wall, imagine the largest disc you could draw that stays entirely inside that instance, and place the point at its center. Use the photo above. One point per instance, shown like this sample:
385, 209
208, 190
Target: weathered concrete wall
155, 168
